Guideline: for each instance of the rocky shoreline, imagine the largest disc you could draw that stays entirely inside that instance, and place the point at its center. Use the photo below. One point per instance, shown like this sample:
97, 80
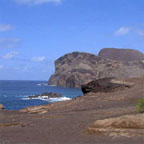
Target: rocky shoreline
45, 95
80, 120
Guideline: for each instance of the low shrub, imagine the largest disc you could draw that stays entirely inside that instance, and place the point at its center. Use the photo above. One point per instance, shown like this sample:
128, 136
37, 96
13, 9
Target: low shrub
140, 106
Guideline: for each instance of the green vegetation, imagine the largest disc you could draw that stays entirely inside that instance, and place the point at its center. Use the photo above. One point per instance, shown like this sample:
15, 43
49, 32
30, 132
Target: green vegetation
140, 106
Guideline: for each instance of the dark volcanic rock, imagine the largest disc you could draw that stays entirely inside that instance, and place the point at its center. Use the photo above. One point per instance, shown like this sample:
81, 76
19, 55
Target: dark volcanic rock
76, 69
105, 85
121, 54
45, 95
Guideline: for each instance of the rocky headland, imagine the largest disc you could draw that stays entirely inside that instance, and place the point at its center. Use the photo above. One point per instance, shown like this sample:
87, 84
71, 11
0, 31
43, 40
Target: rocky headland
76, 69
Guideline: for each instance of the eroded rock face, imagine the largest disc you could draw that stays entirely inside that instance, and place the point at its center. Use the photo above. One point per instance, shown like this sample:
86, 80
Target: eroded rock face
76, 69
128, 125
105, 85
121, 54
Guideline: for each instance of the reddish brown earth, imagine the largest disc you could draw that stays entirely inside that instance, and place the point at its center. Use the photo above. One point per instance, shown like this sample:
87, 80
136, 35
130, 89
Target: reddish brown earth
68, 122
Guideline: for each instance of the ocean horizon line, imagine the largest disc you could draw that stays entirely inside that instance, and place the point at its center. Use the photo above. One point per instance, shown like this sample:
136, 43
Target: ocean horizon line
24, 80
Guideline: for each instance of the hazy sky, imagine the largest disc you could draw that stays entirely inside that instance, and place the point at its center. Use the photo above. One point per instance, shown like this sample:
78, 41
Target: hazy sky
33, 33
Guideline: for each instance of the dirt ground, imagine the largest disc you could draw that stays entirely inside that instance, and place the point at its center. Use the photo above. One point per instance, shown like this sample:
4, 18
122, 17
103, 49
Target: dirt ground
67, 122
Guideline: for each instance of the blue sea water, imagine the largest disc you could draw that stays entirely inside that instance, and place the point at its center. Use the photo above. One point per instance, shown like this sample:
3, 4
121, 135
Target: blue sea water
14, 94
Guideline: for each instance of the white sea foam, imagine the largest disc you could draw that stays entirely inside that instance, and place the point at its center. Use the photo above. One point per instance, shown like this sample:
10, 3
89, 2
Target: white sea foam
21, 96
59, 99
39, 84
25, 98
5, 96
42, 84
45, 98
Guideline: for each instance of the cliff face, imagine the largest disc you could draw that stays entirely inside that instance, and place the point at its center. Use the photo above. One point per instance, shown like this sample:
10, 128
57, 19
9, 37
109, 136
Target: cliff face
121, 54
76, 69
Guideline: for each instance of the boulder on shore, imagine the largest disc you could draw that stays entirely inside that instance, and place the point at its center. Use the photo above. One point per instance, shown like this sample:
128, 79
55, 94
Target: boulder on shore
105, 85
2, 106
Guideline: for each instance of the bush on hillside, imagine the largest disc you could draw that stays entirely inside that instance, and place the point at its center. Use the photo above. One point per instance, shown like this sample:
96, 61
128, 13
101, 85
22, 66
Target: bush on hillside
140, 106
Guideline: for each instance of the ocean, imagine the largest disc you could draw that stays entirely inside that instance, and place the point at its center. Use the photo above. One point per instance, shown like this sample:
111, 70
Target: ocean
14, 94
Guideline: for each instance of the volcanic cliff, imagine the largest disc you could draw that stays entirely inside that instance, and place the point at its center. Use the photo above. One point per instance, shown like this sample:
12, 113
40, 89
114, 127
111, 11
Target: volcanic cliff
75, 69
121, 54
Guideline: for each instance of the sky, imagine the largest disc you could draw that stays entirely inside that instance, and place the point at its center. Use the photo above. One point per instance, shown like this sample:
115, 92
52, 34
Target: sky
34, 33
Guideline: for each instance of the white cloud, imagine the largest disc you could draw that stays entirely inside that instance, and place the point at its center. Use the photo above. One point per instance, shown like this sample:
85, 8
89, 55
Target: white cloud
38, 59
6, 27
37, 2
9, 42
140, 32
123, 31
1, 66
10, 55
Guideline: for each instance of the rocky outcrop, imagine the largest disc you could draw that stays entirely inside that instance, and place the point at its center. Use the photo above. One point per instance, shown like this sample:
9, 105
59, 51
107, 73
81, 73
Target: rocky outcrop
76, 69
128, 125
2, 106
121, 54
105, 85
45, 95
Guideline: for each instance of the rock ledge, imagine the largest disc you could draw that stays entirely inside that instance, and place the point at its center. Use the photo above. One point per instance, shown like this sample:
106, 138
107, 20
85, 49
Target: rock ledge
128, 125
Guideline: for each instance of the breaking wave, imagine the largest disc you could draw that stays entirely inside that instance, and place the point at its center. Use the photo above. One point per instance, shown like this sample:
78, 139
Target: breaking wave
45, 98
42, 84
